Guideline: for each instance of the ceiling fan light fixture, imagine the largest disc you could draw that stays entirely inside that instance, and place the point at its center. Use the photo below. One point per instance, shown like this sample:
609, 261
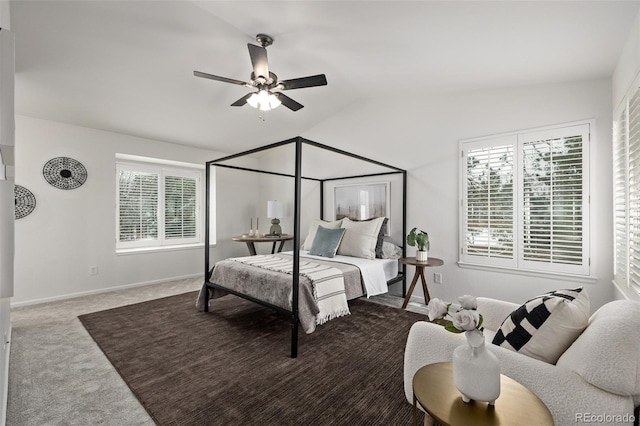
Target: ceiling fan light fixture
264, 81
264, 100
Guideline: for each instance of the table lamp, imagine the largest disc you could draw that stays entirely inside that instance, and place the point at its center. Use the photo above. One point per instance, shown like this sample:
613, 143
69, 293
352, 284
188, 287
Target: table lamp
275, 209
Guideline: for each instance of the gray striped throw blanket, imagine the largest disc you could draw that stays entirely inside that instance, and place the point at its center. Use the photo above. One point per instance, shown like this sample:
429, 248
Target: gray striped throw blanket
327, 282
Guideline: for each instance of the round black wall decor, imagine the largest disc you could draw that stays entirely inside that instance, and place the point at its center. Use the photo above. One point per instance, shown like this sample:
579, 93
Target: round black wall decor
25, 201
65, 173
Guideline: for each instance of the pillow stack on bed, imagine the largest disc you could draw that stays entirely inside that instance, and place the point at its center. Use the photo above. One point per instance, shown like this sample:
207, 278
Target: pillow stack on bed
346, 237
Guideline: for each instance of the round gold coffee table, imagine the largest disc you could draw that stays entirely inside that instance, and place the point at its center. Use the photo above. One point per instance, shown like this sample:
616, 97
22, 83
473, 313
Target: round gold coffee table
434, 390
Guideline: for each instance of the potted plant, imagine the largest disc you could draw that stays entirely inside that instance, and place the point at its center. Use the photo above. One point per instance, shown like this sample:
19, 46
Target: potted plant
420, 239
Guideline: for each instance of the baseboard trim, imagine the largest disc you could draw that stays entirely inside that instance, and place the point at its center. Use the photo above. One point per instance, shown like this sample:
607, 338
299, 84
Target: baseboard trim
99, 291
5, 384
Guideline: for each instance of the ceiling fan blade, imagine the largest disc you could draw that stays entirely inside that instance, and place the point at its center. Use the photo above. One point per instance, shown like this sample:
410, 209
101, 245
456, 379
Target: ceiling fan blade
218, 78
242, 100
259, 61
288, 102
299, 83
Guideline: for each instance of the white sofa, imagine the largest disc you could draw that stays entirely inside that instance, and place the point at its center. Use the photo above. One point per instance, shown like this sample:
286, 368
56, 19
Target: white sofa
595, 380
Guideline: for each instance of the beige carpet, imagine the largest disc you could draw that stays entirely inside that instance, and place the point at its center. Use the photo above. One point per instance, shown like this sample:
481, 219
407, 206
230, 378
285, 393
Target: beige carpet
59, 376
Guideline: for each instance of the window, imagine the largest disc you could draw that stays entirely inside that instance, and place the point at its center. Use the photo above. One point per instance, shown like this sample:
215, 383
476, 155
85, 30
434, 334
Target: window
158, 205
626, 180
525, 200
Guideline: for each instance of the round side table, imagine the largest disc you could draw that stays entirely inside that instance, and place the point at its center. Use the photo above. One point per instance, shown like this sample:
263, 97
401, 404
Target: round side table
250, 241
434, 390
432, 261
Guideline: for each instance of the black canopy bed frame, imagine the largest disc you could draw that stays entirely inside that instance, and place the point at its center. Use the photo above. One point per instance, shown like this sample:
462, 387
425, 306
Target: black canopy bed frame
298, 177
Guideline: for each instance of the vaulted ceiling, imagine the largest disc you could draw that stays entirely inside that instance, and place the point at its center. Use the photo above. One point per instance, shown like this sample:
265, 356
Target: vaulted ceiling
127, 67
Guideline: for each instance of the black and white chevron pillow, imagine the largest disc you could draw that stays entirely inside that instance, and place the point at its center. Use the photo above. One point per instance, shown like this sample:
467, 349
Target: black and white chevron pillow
545, 326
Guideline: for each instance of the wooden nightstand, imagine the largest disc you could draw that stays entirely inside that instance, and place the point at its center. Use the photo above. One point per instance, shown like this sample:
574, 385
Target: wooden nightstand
250, 241
432, 261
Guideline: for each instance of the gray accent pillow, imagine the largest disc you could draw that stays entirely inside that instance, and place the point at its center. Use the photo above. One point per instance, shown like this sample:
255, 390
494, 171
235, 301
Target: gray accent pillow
312, 231
326, 241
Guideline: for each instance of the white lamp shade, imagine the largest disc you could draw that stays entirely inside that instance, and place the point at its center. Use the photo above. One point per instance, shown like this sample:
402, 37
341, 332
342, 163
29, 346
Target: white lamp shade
275, 209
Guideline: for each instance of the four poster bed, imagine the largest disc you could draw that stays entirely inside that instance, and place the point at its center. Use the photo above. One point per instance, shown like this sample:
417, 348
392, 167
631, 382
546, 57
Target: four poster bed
338, 261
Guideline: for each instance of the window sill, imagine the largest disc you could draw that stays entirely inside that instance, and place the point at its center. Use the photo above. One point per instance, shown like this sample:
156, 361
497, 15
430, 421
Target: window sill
627, 292
541, 274
144, 250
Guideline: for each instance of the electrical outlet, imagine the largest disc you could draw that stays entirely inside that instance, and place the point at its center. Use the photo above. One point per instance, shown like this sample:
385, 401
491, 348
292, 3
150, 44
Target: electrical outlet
437, 278
93, 270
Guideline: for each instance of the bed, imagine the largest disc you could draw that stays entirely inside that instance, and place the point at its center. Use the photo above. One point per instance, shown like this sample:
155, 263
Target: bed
289, 282
362, 277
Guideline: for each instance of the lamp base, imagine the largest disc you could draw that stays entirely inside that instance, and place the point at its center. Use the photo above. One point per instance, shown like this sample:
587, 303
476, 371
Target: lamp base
275, 227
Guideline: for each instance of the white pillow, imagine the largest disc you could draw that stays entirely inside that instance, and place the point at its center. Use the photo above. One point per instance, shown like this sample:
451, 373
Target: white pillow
391, 251
545, 326
313, 228
360, 238
606, 354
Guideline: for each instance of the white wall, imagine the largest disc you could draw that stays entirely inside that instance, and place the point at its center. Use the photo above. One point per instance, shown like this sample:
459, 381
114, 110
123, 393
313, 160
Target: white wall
70, 231
315, 163
422, 134
5, 310
628, 64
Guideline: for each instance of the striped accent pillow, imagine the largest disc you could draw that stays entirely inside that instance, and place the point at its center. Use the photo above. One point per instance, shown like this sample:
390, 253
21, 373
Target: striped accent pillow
545, 326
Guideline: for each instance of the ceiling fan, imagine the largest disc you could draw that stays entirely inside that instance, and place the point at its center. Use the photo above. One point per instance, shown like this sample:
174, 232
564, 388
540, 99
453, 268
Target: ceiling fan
269, 89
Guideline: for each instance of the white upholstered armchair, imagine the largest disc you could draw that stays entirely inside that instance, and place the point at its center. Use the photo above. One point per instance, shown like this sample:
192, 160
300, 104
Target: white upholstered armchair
598, 376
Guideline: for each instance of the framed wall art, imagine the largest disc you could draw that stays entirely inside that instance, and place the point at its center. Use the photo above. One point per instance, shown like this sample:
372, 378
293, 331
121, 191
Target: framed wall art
362, 201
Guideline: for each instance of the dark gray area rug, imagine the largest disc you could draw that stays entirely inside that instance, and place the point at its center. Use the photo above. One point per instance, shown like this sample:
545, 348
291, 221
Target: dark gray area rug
231, 366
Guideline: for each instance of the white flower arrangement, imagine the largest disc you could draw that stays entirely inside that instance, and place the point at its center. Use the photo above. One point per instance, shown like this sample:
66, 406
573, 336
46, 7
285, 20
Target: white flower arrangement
460, 318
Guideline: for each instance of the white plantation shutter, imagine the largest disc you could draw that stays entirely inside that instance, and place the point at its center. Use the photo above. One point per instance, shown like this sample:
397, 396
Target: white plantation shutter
633, 199
626, 169
555, 199
138, 206
621, 214
489, 202
525, 200
157, 206
180, 207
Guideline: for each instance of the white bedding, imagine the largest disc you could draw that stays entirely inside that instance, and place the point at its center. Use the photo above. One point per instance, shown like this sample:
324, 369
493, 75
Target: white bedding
375, 272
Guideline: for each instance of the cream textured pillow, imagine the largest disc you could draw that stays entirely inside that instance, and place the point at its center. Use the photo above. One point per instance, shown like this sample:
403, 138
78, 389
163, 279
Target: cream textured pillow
360, 238
545, 326
606, 353
313, 228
